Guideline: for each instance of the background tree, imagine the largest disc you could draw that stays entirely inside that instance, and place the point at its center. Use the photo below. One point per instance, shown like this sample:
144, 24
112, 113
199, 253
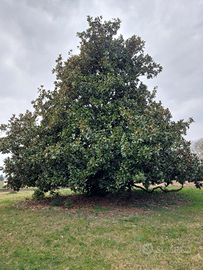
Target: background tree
101, 129
197, 148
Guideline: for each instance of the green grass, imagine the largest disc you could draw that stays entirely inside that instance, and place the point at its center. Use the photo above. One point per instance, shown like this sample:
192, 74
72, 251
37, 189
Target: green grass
2, 186
56, 238
99, 208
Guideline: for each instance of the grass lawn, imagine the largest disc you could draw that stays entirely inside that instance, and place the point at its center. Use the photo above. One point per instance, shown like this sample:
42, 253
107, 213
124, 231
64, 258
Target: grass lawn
159, 231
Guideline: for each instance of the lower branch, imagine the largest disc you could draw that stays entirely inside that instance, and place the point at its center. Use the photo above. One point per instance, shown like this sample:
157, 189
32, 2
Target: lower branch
162, 189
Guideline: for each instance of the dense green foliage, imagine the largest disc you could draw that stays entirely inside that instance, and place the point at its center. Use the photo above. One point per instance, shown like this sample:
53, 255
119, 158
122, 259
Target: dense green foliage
101, 129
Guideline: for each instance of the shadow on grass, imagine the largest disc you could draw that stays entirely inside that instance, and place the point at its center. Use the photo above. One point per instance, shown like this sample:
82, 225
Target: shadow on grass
138, 202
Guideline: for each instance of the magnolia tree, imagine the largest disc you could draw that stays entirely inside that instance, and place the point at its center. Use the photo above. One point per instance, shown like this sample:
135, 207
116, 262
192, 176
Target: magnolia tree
100, 130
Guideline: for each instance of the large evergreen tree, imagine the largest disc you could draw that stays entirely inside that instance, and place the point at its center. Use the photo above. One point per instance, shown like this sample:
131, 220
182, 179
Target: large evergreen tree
101, 129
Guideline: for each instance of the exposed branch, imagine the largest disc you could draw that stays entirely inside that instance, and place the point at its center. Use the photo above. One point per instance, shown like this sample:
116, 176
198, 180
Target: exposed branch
162, 189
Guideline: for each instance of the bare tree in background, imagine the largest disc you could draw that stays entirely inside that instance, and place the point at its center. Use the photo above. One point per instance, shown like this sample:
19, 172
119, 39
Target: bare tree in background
197, 148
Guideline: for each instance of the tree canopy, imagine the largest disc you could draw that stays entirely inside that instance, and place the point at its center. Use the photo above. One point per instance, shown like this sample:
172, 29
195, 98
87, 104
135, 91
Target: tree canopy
100, 130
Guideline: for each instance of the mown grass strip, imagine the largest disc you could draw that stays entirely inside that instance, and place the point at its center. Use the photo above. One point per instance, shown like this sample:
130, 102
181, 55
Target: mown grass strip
54, 238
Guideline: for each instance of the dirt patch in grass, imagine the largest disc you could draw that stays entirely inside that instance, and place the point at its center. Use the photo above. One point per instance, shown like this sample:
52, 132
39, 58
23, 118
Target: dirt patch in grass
139, 203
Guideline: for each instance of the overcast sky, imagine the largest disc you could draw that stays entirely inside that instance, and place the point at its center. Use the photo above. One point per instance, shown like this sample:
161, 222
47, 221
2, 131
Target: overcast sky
34, 32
